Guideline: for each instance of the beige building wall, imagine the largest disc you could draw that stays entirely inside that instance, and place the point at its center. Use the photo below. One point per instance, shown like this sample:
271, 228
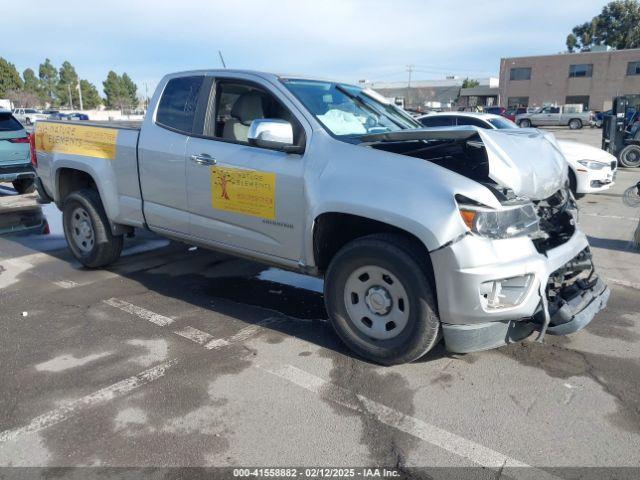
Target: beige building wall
550, 81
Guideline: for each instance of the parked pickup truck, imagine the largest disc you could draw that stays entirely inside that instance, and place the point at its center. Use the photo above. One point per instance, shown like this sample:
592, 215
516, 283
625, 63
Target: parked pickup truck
571, 115
465, 232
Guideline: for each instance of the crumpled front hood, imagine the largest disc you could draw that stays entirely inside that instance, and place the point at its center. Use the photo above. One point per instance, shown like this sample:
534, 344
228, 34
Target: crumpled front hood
527, 161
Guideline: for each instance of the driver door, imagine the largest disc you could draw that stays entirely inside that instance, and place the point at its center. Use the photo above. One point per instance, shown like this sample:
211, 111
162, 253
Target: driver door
240, 196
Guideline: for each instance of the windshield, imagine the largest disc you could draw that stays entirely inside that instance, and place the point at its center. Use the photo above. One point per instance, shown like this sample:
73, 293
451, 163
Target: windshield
349, 111
502, 123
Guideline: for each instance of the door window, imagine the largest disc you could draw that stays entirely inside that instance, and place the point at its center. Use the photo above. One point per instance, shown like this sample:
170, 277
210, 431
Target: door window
437, 121
475, 122
177, 107
237, 104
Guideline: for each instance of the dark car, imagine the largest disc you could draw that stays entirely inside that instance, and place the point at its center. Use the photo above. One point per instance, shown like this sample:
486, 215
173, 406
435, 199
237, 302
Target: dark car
58, 116
78, 116
500, 111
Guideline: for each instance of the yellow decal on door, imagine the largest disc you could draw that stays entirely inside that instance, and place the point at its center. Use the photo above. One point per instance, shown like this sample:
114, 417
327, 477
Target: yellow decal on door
249, 192
76, 140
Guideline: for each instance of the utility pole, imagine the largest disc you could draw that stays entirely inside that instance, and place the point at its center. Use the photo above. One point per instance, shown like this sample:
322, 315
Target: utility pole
224, 65
410, 70
80, 95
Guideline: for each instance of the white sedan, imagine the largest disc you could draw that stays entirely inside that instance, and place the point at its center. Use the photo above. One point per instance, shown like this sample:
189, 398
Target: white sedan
591, 169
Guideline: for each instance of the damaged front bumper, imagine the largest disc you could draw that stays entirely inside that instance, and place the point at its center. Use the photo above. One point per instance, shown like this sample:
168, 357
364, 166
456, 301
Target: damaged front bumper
561, 280
576, 313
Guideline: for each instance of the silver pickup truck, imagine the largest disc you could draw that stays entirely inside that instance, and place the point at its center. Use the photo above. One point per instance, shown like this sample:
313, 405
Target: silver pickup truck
461, 233
571, 116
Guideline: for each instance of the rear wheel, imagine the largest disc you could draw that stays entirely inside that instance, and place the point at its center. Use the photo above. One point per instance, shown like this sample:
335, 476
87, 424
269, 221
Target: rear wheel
380, 300
87, 230
575, 124
24, 185
525, 123
630, 156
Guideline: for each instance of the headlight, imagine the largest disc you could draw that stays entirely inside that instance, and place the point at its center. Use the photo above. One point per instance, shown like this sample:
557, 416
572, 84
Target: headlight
511, 221
593, 165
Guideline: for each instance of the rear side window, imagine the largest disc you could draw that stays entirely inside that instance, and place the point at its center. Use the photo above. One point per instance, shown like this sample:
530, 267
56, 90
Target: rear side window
177, 108
8, 123
437, 121
471, 121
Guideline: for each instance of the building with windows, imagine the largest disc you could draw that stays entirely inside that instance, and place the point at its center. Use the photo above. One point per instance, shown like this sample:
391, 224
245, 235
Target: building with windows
588, 78
438, 94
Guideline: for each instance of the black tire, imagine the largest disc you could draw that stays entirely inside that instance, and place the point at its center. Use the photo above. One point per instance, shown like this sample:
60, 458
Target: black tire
630, 156
24, 185
575, 124
106, 247
28, 121
408, 263
573, 185
525, 123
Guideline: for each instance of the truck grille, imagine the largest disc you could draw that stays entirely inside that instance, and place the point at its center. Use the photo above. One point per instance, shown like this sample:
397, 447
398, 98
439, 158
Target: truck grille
557, 220
569, 281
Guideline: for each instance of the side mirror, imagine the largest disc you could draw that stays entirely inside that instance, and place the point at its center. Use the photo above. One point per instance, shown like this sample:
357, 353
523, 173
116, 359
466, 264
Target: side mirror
273, 133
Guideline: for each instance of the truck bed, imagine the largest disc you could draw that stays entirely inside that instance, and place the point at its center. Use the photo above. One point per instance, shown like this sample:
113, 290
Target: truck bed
105, 151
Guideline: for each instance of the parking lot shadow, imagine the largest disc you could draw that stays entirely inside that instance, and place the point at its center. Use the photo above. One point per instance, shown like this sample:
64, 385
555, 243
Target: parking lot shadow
612, 244
233, 287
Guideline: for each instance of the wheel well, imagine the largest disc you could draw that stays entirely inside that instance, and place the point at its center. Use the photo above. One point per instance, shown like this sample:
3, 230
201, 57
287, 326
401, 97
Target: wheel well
573, 181
71, 180
333, 230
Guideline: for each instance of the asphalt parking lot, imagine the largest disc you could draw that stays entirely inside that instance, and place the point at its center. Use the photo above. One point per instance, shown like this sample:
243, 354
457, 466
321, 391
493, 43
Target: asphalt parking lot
177, 356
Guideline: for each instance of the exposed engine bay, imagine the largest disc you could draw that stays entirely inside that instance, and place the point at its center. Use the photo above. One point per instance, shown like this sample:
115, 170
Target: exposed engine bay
468, 157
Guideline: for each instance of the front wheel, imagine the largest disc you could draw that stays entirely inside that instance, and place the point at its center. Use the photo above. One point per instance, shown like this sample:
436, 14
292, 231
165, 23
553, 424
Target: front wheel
630, 156
87, 230
24, 185
575, 124
525, 123
380, 300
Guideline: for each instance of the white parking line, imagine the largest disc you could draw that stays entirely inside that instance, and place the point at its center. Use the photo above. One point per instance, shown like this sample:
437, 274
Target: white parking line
148, 315
104, 395
195, 335
624, 283
241, 336
614, 217
448, 441
198, 336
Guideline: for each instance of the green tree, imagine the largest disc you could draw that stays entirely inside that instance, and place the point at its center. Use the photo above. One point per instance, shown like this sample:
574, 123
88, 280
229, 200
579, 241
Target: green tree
131, 88
33, 85
48, 75
470, 83
617, 25
90, 96
572, 41
31, 81
68, 82
9, 78
119, 91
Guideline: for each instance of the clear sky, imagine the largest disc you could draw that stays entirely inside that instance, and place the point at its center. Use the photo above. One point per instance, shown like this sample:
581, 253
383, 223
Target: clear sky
347, 40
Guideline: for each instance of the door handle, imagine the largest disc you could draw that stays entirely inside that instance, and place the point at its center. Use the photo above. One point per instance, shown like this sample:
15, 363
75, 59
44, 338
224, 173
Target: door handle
203, 159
